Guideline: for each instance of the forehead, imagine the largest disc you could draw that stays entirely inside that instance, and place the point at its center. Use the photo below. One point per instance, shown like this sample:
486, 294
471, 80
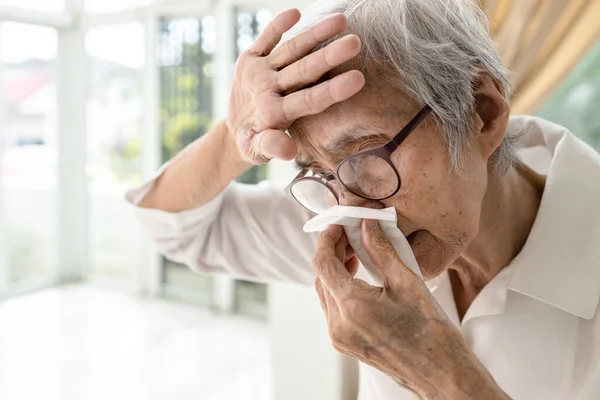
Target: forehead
332, 133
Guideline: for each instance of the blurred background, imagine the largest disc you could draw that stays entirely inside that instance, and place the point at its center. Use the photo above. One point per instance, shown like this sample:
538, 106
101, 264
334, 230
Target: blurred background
94, 96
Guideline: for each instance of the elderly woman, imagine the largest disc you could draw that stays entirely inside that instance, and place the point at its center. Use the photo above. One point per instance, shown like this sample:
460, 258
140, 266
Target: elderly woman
403, 104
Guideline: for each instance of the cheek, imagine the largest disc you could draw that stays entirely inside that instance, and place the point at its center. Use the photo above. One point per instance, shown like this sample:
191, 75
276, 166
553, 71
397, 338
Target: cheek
445, 205
436, 199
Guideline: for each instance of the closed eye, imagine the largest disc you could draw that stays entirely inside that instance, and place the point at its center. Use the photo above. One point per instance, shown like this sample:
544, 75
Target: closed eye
301, 164
314, 167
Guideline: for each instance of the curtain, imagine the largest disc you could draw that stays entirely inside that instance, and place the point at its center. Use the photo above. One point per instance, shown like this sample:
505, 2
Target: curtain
541, 41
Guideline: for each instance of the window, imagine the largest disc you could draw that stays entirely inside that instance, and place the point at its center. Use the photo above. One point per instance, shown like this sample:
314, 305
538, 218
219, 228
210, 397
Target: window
106, 6
185, 59
251, 298
52, 6
114, 127
248, 26
29, 169
575, 103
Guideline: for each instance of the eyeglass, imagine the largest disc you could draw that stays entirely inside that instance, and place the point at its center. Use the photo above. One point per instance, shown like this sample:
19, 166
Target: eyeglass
369, 174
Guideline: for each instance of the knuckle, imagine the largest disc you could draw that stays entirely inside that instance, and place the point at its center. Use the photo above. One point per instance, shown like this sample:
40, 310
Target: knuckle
320, 261
337, 333
321, 97
246, 59
352, 304
293, 48
330, 91
273, 29
302, 70
312, 34
338, 349
245, 55
354, 309
260, 79
380, 242
326, 56
310, 101
270, 116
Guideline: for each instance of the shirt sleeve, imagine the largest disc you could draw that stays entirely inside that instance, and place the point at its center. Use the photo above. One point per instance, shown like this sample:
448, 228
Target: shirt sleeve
252, 232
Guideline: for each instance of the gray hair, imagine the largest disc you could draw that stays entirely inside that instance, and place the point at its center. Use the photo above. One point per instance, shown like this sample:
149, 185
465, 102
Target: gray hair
432, 50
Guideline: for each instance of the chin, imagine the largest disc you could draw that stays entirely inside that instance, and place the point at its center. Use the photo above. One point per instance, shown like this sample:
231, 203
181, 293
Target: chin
432, 256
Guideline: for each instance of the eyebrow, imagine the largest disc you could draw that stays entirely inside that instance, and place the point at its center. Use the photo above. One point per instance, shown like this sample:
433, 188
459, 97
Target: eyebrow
352, 135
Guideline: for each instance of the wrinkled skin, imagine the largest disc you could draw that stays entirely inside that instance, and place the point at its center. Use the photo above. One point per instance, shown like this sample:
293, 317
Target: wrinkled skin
264, 101
450, 218
398, 328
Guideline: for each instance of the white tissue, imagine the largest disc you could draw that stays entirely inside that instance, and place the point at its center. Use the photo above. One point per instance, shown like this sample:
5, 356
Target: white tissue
351, 219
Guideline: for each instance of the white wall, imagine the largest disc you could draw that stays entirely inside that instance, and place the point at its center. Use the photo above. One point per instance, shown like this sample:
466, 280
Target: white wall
305, 365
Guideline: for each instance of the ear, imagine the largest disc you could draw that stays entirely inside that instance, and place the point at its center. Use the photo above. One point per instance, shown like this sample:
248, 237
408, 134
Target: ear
491, 112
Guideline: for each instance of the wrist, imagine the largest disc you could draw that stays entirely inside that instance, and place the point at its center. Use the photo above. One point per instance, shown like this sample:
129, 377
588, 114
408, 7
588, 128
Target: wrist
451, 372
463, 378
230, 149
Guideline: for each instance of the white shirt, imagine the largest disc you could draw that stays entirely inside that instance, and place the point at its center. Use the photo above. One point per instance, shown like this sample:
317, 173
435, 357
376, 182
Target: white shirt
535, 326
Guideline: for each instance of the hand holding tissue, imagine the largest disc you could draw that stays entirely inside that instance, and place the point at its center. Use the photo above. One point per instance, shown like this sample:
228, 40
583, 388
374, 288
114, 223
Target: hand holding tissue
389, 321
351, 219
396, 327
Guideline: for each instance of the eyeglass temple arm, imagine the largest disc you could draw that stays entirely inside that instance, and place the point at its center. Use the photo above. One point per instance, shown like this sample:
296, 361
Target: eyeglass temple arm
412, 124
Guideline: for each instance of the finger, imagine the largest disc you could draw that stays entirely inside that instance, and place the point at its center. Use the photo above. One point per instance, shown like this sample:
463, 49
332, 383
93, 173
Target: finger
335, 232
352, 265
317, 99
333, 311
299, 46
282, 23
328, 304
383, 256
321, 293
349, 253
312, 67
332, 272
273, 143
340, 247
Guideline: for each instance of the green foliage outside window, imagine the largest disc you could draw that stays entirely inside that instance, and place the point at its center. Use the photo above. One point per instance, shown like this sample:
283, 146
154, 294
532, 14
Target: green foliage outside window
576, 103
186, 108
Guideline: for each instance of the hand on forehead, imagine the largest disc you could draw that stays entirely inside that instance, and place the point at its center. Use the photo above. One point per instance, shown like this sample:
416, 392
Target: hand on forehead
364, 121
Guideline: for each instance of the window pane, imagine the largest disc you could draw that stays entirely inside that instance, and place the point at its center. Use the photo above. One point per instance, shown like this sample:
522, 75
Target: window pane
575, 103
53, 6
28, 169
185, 58
250, 24
251, 297
114, 125
104, 6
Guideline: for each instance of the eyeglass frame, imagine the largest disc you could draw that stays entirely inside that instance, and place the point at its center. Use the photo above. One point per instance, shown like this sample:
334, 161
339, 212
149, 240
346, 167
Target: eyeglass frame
384, 152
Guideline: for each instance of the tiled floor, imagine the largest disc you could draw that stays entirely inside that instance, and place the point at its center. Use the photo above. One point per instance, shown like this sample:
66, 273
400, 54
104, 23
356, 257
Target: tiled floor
80, 343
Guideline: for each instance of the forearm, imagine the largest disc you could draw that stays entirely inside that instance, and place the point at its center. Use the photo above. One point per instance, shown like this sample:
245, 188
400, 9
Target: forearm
198, 174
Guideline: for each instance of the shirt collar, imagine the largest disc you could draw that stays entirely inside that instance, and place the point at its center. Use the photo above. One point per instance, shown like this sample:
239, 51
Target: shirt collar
560, 261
